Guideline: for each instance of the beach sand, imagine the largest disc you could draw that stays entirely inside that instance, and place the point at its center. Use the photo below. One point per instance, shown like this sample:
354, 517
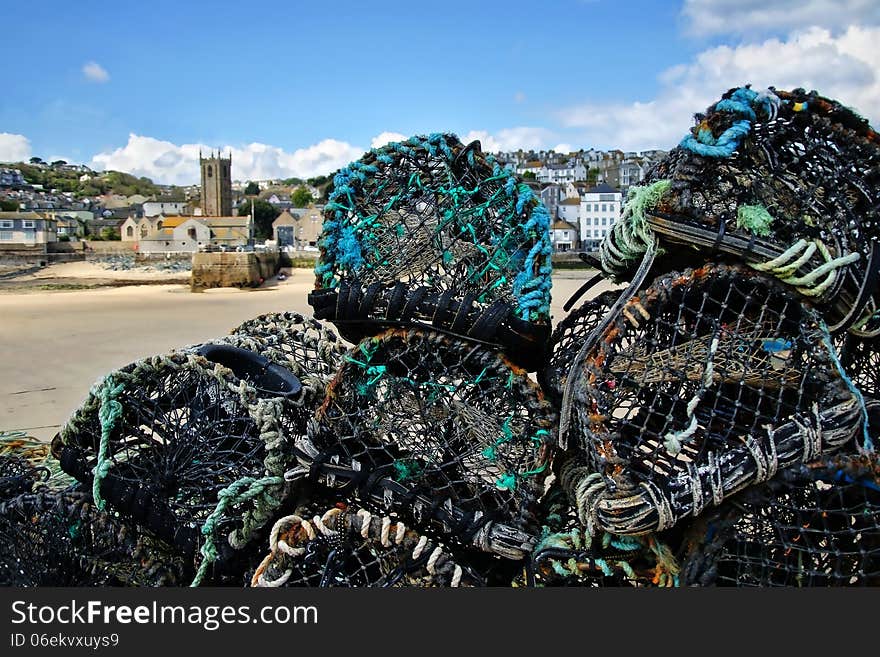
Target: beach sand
55, 344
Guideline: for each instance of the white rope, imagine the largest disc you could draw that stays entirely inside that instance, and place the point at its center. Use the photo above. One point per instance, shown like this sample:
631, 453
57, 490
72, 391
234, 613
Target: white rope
456, 576
386, 526
401, 532
423, 541
432, 560
366, 516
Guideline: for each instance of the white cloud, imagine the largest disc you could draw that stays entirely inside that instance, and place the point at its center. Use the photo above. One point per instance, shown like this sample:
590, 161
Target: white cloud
14, 148
386, 138
169, 163
563, 148
510, 139
706, 17
845, 67
94, 72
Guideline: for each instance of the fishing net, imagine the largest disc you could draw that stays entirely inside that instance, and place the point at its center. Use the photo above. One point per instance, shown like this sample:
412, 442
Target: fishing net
26, 461
441, 432
348, 546
567, 340
706, 382
434, 232
816, 525
18, 476
569, 555
788, 182
59, 538
185, 448
860, 358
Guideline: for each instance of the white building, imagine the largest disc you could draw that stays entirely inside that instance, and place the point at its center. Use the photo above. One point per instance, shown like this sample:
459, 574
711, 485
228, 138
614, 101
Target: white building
167, 208
600, 207
569, 210
562, 173
564, 236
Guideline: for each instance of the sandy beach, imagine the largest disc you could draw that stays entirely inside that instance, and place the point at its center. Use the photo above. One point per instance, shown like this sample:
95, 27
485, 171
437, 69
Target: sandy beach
55, 344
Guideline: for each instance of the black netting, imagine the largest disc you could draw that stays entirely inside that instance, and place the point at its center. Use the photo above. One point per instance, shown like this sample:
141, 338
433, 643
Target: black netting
345, 546
568, 555
441, 431
706, 382
568, 338
434, 232
166, 435
816, 525
786, 181
52, 538
861, 361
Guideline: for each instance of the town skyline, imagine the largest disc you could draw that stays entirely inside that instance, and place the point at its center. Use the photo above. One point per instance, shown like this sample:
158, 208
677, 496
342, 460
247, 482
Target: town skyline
305, 95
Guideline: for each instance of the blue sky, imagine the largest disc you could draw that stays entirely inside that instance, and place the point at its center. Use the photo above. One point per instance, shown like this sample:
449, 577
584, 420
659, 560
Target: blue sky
300, 88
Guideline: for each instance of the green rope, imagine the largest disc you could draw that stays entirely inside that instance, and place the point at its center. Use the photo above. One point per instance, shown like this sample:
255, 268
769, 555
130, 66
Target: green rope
108, 413
237, 492
755, 219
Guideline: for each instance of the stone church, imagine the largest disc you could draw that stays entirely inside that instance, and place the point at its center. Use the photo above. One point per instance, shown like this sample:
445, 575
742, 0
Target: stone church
215, 228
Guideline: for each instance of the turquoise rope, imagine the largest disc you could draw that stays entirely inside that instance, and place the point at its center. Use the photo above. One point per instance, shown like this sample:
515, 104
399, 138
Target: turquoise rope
108, 413
867, 443
741, 104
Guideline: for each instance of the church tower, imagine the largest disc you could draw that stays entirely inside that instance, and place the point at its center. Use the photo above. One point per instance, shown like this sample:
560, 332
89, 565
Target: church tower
216, 185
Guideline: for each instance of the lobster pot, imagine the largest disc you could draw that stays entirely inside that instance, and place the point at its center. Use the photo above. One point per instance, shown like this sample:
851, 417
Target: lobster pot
284, 355
706, 382
304, 346
816, 525
441, 432
430, 231
861, 361
346, 546
786, 181
183, 447
567, 554
17, 476
567, 340
59, 538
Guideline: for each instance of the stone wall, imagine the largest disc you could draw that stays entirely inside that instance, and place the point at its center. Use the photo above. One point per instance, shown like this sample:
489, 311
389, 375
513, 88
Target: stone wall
232, 269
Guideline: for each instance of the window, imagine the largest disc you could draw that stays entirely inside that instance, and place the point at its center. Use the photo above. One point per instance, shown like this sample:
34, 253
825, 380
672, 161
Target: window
27, 224
595, 207
565, 234
5, 235
210, 171
604, 221
191, 232
6, 224
143, 231
129, 232
603, 208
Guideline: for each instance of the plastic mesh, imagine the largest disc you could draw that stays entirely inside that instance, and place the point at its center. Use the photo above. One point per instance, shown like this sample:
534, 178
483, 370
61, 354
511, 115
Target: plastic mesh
431, 231
52, 538
786, 181
816, 525
706, 382
347, 547
440, 431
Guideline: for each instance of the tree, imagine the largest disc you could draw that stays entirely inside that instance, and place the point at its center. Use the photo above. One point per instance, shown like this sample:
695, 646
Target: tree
36, 160
9, 206
252, 189
58, 163
110, 234
264, 214
529, 175
301, 197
